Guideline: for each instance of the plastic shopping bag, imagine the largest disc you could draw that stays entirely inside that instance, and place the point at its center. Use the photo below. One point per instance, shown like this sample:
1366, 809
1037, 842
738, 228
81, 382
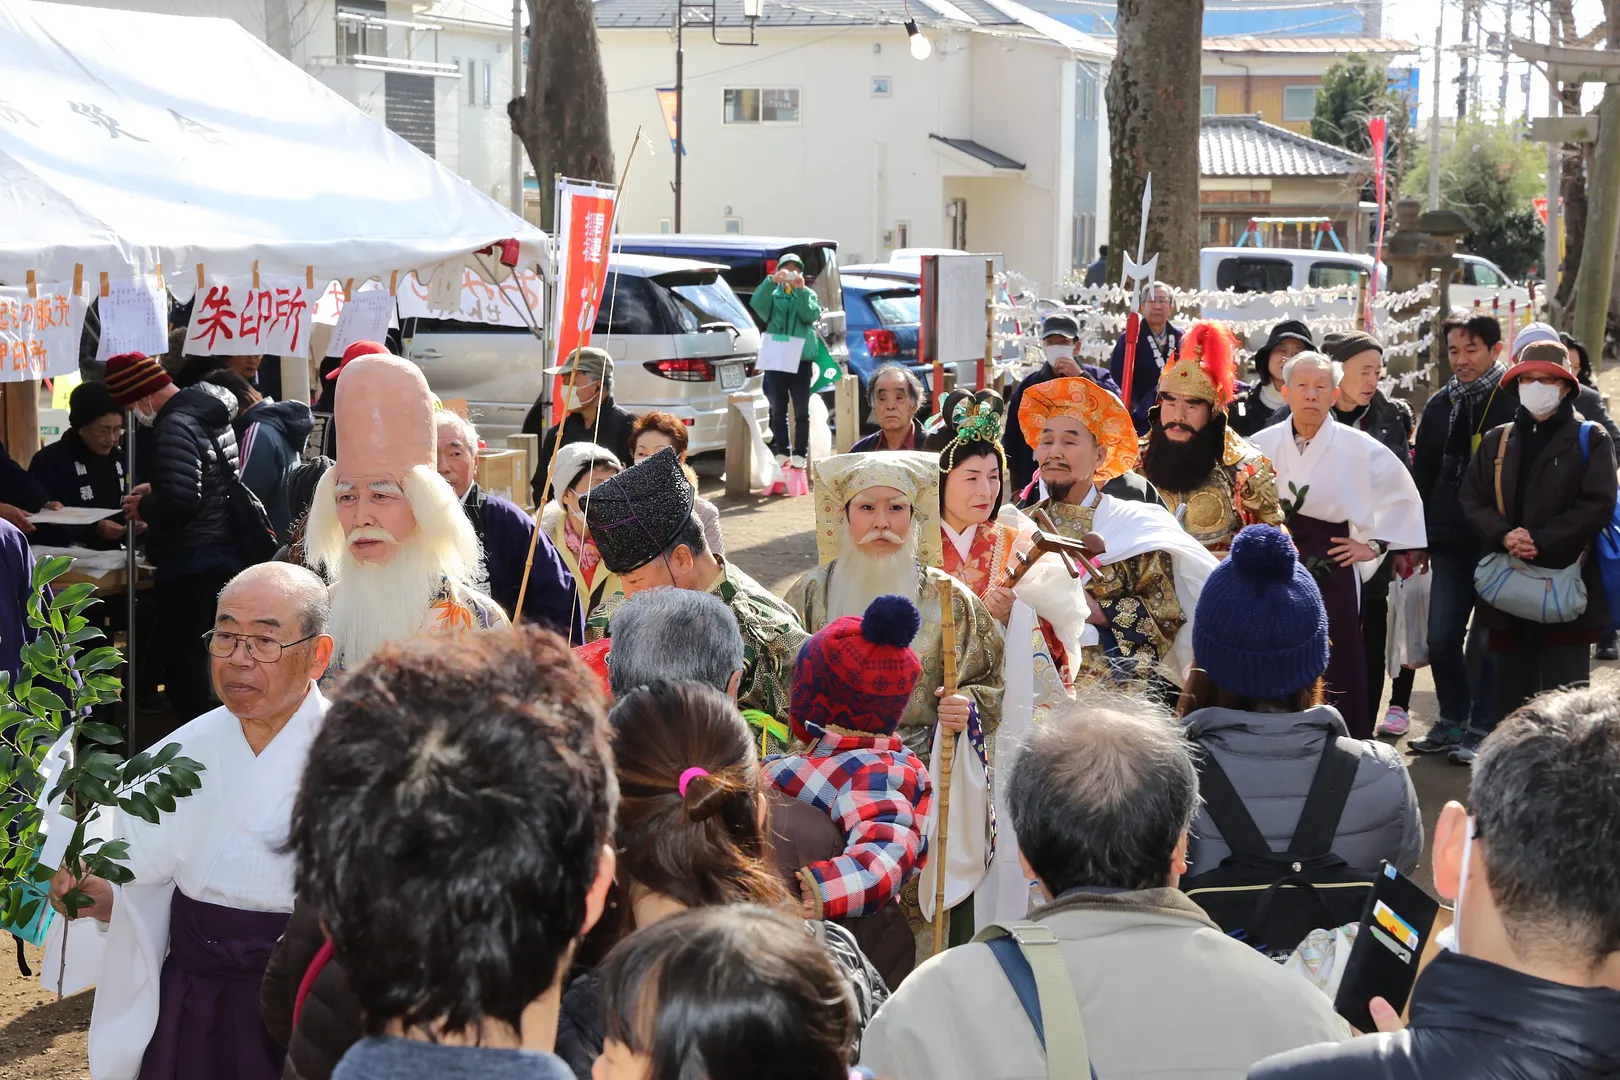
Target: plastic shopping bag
1408, 640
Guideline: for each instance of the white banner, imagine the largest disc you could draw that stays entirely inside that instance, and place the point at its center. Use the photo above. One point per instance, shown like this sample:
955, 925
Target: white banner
39, 335
517, 301
232, 318
134, 319
365, 317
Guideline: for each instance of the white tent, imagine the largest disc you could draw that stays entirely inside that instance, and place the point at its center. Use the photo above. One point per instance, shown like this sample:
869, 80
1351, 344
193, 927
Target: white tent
130, 140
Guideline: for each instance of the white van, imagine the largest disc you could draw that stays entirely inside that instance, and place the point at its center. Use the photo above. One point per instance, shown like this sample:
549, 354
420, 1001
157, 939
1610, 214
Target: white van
1274, 270
1478, 281
680, 339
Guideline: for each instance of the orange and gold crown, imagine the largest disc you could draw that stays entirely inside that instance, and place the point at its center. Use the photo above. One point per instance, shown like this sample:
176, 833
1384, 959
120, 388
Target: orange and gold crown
1205, 366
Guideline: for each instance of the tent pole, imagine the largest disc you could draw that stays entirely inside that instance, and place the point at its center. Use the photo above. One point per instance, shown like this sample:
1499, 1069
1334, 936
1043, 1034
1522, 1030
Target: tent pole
130, 692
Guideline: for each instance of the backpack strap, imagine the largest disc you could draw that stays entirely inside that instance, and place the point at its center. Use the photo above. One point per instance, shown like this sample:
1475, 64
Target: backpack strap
1226, 809
1330, 791
1030, 957
1586, 442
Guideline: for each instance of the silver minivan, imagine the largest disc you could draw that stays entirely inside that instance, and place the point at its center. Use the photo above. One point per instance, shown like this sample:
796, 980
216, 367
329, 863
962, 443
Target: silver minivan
680, 338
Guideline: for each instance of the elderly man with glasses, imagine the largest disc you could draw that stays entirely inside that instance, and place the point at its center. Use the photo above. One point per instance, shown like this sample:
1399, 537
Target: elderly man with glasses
187, 939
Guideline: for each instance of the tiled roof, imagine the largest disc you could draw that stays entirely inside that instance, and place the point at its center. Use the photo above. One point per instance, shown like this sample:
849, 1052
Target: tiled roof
1337, 46
642, 14
1248, 146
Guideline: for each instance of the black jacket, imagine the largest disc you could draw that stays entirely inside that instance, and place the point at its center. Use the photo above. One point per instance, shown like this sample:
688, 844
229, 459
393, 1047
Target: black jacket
1247, 413
612, 433
188, 507
1473, 1020
1589, 403
1020, 455
1131, 486
271, 435
73, 475
1440, 484
17, 487
329, 1022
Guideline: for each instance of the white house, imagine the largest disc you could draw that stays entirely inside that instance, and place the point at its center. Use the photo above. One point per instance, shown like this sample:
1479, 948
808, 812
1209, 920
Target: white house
438, 73
829, 126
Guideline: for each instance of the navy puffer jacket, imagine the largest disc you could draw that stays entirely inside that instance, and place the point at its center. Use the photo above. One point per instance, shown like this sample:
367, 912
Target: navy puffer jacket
188, 506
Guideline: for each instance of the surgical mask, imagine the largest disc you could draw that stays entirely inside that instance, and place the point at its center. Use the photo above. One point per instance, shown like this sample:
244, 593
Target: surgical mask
144, 418
1450, 938
572, 400
1541, 399
1059, 352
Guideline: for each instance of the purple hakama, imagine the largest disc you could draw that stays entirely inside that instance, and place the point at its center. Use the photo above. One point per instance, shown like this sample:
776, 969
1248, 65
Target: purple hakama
1341, 594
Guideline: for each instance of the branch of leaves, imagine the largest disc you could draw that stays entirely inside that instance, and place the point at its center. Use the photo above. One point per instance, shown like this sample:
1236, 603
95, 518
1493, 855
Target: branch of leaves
1290, 507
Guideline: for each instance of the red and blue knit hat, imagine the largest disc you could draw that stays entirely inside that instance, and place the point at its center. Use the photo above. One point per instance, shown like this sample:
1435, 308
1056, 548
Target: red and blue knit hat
858, 673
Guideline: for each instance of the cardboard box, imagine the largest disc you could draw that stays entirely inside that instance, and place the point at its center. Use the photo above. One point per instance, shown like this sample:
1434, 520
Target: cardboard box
505, 473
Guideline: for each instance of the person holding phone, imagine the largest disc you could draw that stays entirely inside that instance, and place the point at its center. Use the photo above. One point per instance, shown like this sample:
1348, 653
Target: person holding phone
1530, 988
788, 305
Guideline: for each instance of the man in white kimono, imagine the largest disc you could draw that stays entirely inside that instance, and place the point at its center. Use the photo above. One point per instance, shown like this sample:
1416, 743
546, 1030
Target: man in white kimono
186, 942
1347, 500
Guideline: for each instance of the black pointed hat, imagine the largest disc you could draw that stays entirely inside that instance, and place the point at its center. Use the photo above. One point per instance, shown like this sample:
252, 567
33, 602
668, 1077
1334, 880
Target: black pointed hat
634, 515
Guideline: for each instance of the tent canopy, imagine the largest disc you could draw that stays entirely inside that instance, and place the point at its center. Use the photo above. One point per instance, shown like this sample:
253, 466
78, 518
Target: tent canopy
129, 140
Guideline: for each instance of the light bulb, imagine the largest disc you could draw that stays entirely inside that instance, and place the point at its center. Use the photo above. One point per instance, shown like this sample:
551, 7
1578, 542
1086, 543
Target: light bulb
921, 47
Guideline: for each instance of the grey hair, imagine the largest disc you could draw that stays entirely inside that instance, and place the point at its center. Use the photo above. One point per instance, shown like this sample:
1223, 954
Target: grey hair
464, 427
914, 386
1315, 360
1102, 792
1546, 804
302, 586
675, 635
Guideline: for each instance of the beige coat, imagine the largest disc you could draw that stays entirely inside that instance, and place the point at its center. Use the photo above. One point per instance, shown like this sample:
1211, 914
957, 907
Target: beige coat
1162, 992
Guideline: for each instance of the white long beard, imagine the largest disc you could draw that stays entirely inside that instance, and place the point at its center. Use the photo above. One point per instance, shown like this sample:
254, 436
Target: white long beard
374, 604
858, 578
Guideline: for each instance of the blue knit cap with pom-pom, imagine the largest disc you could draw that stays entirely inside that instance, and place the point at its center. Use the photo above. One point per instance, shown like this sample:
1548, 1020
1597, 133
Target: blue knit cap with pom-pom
1261, 629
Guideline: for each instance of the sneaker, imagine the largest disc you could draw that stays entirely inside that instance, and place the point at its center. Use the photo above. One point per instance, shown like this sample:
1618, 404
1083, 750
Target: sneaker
1463, 753
781, 461
1396, 722
1606, 649
796, 462
1441, 737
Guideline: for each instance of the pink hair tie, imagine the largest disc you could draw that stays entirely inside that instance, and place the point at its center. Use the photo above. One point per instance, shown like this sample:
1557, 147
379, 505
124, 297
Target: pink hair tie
687, 776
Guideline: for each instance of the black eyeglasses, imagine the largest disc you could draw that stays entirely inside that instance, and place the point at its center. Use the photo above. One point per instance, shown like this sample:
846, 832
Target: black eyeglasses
266, 650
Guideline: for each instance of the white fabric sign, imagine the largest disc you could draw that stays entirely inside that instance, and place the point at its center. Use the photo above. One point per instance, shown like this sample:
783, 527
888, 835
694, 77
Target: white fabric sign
134, 318
232, 318
778, 352
508, 304
39, 335
365, 318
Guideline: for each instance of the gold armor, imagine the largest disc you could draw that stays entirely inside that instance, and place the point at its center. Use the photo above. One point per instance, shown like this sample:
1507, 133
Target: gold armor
1241, 490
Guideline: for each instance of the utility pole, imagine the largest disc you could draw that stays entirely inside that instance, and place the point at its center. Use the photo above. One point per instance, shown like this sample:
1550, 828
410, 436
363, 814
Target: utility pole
680, 104
1462, 61
1507, 35
1551, 257
516, 178
1434, 125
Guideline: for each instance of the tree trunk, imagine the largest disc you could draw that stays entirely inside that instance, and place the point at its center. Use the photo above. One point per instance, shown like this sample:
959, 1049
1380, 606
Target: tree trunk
1153, 97
1572, 178
562, 116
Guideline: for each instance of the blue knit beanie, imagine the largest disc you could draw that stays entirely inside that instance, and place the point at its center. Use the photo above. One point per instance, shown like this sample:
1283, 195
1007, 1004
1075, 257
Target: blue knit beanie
1261, 629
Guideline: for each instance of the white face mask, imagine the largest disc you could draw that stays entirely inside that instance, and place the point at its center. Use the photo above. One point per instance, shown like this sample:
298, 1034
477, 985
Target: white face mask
572, 400
1541, 399
1059, 352
144, 418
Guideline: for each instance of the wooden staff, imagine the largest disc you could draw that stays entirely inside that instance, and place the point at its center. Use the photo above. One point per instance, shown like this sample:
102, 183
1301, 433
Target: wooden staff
573, 377
947, 750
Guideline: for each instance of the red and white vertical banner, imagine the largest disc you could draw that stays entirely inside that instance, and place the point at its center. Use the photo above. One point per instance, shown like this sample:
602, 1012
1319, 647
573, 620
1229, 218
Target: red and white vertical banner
1378, 131
584, 229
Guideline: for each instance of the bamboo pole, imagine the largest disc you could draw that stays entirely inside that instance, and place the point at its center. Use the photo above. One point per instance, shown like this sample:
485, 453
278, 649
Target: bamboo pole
947, 751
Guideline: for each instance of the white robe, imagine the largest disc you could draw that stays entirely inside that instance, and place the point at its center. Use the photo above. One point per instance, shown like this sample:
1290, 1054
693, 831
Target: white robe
218, 846
1352, 477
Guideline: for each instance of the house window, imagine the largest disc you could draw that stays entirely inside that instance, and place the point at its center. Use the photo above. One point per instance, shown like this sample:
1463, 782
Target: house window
486, 84
665, 226
1206, 105
762, 105
354, 36
1299, 102
733, 226
882, 86
472, 82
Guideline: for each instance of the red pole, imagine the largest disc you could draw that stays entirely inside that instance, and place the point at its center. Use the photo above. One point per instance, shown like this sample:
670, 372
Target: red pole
1133, 329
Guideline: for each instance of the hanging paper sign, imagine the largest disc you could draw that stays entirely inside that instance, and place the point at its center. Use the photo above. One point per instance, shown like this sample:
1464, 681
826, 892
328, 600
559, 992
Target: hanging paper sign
365, 317
232, 318
329, 304
517, 301
39, 335
134, 319
585, 215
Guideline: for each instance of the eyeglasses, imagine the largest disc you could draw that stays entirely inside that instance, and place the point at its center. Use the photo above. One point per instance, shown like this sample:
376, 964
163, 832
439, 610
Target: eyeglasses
266, 650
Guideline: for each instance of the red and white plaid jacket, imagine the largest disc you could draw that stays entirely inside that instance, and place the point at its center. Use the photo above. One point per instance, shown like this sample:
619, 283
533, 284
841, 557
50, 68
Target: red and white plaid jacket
878, 792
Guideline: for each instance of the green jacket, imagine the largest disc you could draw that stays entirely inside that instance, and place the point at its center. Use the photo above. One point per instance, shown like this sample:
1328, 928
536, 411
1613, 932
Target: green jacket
788, 311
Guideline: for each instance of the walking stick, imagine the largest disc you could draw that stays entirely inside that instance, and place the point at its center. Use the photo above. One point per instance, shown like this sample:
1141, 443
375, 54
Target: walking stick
947, 751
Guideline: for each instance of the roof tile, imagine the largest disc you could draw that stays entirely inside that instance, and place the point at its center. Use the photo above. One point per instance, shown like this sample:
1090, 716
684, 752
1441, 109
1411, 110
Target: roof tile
1248, 146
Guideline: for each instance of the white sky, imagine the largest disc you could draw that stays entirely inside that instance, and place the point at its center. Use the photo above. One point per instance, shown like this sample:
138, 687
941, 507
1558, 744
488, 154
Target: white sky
1414, 20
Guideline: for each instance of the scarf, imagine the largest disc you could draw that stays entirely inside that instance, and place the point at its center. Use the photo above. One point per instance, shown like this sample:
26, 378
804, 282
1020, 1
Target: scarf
1271, 397
1473, 398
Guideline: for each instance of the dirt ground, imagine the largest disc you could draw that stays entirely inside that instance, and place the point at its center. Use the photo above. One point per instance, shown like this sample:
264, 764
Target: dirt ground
774, 541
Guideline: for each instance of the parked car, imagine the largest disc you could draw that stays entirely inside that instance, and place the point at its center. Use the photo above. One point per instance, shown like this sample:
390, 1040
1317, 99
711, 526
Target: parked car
1275, 270
680, 338
1478, 281
745, 261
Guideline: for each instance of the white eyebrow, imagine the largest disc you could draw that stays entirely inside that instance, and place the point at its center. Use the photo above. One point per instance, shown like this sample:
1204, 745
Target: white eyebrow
343, 485
387, 487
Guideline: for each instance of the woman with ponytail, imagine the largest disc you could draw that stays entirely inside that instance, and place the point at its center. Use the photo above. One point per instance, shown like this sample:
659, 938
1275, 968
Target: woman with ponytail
691, 833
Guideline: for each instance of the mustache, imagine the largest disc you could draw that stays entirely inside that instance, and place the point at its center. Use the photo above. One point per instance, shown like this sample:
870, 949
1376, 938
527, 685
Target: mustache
1176, 425
882, 534
371, 532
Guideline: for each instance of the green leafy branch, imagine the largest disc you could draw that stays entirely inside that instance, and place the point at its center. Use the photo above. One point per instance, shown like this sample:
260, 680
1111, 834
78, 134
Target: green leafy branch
61, 680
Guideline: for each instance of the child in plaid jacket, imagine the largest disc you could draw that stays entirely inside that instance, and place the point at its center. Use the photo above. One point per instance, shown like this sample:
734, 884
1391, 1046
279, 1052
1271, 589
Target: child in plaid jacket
850, 686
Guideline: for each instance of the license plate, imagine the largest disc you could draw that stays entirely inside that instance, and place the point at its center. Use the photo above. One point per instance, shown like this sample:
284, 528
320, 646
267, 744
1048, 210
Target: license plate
731, 376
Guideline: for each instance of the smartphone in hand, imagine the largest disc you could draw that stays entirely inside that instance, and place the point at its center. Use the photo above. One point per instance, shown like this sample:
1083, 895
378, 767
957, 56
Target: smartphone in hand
1395, 926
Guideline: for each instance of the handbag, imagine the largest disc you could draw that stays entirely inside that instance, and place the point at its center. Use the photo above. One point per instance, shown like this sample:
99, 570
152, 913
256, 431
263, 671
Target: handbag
250, 523
1514, 587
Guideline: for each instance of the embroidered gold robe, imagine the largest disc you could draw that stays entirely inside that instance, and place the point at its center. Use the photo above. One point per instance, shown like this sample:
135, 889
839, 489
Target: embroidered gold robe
1241, 490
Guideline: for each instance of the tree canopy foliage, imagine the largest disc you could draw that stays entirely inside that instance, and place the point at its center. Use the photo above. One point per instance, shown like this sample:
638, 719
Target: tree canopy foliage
1491, 172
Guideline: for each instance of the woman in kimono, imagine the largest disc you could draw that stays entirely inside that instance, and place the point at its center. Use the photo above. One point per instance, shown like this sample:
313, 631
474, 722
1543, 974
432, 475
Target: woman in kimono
580, 467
